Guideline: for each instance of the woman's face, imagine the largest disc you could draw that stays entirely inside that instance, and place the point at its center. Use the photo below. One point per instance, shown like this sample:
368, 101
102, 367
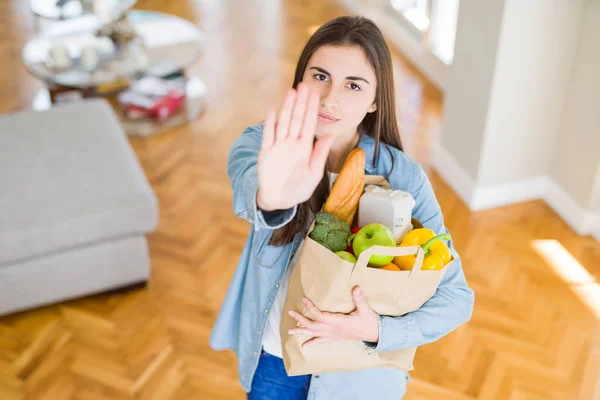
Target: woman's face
345, 81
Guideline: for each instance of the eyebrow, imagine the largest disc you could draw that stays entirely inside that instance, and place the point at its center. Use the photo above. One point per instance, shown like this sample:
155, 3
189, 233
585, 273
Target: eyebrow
350, 78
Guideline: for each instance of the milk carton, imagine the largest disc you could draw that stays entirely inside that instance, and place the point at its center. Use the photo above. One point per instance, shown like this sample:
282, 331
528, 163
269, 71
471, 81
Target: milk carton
392, 208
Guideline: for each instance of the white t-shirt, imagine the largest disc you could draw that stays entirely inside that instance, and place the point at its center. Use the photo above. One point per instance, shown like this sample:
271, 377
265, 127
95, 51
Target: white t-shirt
271, 338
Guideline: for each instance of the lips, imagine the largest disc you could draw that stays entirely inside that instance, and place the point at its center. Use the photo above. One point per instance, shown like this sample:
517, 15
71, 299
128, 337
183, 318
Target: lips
327, 118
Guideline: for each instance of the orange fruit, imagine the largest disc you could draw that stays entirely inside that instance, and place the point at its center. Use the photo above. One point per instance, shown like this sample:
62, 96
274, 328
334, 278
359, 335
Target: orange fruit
390, 267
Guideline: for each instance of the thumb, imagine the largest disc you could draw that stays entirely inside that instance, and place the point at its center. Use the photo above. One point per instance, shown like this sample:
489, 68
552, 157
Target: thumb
362, 305
320, 153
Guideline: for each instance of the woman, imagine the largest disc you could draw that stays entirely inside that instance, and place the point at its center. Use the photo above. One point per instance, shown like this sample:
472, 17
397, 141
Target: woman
342, 97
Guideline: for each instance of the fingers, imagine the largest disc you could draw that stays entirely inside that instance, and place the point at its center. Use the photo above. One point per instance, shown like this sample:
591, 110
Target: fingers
309, 125
298, 111
268, 136
297, 118
301, 331
302, 319
319, 155
360, 300
283, 122
314, 311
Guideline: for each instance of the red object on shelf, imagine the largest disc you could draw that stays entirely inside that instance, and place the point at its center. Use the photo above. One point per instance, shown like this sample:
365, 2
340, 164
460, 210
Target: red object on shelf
162, 108
153, 97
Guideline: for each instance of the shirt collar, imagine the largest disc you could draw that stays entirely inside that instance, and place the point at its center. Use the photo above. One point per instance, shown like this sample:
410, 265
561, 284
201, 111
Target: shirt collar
367, 143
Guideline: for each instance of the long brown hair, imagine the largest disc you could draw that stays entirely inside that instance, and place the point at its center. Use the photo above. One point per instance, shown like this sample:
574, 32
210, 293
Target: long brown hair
381, 124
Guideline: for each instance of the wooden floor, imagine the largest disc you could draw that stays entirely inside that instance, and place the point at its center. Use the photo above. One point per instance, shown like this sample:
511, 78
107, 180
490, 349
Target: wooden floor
535, 329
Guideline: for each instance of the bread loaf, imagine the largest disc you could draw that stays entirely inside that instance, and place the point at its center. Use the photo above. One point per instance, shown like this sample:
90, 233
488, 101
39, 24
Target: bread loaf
347, 188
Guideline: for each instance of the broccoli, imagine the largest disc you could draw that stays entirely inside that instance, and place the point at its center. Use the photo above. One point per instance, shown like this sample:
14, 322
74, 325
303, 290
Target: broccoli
330, 231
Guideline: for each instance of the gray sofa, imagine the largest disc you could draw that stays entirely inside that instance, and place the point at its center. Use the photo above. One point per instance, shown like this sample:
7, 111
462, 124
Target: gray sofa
75, 206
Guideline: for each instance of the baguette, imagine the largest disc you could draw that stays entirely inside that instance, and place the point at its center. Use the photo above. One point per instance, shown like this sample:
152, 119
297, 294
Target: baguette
347, 188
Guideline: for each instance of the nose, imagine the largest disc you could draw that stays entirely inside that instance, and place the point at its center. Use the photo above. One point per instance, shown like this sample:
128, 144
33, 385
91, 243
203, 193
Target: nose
329, 99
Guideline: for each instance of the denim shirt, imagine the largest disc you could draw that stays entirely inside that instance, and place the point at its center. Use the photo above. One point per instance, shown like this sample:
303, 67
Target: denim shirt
244, 312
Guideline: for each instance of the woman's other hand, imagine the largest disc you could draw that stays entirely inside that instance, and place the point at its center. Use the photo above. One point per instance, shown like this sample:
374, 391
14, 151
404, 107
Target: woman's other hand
362, 324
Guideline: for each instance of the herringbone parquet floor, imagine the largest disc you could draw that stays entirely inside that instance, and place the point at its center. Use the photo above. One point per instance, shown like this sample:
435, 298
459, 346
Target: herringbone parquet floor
535, 331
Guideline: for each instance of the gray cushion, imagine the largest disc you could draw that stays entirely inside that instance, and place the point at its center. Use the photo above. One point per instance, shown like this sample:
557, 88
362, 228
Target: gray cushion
70, 274
68, 177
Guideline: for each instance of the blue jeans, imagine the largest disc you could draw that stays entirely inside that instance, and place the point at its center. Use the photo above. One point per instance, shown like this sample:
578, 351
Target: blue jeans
271, 382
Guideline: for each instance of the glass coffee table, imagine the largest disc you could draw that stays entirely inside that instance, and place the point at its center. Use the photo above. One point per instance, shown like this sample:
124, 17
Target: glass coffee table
163, 45
67, 9
46, 12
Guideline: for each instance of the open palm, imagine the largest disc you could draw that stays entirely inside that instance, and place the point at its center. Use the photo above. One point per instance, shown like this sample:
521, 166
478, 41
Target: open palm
290, 164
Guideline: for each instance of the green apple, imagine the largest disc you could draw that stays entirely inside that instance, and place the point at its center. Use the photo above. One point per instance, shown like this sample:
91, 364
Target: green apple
346, 256
374, 235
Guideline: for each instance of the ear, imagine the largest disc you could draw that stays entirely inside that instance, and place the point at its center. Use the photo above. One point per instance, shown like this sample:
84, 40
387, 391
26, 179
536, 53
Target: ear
372, 108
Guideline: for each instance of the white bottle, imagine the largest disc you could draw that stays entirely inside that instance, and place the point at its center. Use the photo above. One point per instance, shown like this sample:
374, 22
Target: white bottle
89, 58
392, 208
59, 56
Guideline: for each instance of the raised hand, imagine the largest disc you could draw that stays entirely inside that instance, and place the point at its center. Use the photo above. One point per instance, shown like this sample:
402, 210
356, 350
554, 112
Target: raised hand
289, 166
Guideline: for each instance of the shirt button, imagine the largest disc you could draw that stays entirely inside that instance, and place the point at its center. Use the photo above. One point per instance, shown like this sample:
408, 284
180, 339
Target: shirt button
277, 285
266, 311
316, 376
255, 353
260, 332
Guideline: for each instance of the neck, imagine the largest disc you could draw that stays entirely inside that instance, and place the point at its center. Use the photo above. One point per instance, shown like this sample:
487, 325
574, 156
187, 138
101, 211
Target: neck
340, 150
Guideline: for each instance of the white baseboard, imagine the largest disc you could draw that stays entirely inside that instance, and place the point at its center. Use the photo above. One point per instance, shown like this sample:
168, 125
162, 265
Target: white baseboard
582, 220
481, 197
453, 173
596, 234
594, 225
489, 196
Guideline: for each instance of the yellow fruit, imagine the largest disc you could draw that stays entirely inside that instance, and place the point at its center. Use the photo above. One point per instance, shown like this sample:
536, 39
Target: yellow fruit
432, 262
417, 237
437, 253
405, 263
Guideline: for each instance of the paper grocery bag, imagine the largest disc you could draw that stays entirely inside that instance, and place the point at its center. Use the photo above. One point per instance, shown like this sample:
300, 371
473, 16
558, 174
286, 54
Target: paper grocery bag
327, 280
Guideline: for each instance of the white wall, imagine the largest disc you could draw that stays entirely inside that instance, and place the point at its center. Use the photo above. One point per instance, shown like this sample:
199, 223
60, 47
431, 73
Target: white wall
595, 201
521, 107
469, 83
537, 42
576, 163
506, 86
595, 229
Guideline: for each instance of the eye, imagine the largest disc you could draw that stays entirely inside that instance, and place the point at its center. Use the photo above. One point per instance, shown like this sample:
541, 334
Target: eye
320, 77
354, 87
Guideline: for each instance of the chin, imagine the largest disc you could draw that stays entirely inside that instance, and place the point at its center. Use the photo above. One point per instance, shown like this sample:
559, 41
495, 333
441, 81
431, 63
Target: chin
322, 130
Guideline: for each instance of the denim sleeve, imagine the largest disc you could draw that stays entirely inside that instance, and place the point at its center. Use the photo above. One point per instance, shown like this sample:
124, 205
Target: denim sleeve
242, 171
451, 305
